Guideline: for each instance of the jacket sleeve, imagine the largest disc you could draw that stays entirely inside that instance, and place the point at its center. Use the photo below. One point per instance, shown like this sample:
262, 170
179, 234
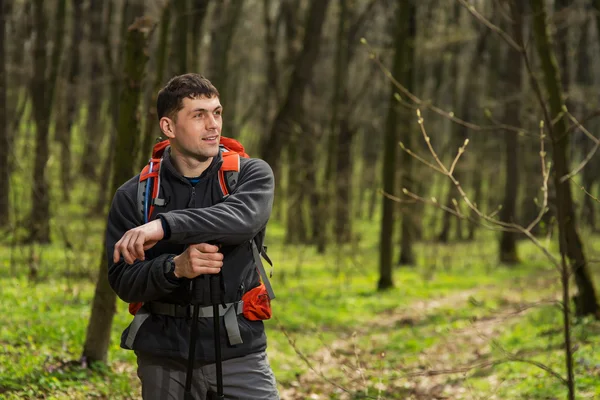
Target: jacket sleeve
144, 280
237, 219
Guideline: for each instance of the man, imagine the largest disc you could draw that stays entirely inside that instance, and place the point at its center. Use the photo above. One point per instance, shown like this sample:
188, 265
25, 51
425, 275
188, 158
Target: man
193, 234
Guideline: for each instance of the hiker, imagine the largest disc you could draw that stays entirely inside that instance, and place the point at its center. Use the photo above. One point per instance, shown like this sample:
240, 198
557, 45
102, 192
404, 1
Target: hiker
200, 225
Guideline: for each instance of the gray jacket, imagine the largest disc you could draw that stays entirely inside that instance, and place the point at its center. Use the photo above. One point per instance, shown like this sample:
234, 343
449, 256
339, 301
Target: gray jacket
193, 214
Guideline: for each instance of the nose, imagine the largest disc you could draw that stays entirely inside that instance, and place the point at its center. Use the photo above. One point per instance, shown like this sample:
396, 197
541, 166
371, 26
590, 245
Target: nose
211, 121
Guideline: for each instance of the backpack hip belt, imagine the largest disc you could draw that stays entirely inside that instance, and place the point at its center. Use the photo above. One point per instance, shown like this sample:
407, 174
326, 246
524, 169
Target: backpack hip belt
229, 312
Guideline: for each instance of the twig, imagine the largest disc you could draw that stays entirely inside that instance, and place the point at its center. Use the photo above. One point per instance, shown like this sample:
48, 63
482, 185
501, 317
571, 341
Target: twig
424, 104
309, 364
545, 177
411, 153
589, 194
490, 25
588, 157
496, 224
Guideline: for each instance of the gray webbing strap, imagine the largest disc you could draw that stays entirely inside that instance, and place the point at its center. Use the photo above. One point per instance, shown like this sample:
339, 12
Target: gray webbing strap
174, 310
261, 270
230, 312
141, 316
231, 325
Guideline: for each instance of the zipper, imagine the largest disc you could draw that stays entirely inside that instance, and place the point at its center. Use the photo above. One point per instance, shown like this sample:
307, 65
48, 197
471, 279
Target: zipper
192, 202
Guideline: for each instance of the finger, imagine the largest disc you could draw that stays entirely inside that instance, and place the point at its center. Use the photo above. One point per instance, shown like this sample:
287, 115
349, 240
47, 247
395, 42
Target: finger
206, 248
129, 249
209, 256
206, 270
209, 263
139, 247
117, 252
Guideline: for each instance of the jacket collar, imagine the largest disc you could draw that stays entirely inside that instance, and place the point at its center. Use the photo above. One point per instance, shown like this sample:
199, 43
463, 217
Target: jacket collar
212, 169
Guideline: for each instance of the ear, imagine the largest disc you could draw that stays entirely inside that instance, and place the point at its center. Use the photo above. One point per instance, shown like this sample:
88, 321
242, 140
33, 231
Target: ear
167, 126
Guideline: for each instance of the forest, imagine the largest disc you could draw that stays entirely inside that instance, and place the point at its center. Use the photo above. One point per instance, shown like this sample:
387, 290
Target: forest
434, 234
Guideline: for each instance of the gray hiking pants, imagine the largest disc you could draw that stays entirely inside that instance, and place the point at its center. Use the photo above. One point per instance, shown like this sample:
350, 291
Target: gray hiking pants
244, 378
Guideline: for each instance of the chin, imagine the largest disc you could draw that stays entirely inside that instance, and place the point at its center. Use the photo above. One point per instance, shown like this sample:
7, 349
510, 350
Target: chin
208, 153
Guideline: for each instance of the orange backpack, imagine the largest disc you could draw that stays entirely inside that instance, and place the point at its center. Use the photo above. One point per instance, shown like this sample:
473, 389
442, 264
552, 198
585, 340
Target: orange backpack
149, 190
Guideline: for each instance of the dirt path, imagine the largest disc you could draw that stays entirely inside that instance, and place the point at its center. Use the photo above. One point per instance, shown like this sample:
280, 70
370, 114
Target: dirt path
342, 370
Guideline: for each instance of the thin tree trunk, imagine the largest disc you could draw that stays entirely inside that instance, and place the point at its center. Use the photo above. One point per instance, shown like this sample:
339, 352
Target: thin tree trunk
180, 37
104, 306
339, 144
5, 147
151, 131
198, 16
585, 77
226, 18
477, 185
343, 181
42, 95
295, 225
512, 117
587, 302
390, 150
130, 11
69, 94
271, 85
457, 139
92, 137
273, 144
409, 216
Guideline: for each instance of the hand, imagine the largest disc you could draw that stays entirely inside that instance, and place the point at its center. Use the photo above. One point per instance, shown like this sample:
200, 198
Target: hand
198, 259
135, 241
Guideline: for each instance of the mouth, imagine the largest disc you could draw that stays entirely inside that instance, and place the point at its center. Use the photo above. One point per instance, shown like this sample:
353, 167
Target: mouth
211, 139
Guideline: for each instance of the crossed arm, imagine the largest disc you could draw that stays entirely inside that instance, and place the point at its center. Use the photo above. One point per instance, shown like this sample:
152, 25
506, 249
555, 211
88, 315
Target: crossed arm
237, 219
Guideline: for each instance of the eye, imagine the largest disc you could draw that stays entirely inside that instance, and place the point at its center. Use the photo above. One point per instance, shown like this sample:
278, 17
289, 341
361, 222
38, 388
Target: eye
219, 112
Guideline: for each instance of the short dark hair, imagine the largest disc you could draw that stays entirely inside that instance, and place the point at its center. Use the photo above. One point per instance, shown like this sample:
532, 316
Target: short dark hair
170, 98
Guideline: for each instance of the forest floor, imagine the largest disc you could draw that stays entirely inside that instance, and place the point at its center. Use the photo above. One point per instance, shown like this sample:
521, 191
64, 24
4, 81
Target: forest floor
456, 326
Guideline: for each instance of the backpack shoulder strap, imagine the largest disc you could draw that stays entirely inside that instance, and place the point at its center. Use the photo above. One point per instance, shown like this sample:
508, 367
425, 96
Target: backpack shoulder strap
148, 189
229, 172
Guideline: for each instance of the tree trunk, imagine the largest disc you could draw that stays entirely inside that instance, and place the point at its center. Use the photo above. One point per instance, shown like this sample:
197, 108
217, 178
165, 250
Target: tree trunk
339, 141
273, 144
570, 245
69, 94
4, 132
409, 216
152, 131
103, 306
512, 117
130, 11
477, 185
180, 36
343, 181
390, 150
585, 77
295, 225
93, 137
458, 135
198, 14
42, 95
226, 17
271, 85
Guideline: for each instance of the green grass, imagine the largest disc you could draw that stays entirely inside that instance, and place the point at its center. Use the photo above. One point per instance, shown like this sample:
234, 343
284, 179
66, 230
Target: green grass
325, 304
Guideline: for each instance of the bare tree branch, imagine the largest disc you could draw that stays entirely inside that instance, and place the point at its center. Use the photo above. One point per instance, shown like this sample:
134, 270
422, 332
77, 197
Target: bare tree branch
492, 223
427, 105
490, 25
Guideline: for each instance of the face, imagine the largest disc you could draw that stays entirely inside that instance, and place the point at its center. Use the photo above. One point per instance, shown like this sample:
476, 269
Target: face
197, 130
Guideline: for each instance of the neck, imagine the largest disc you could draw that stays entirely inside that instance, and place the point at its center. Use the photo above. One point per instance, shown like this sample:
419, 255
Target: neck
187, 166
